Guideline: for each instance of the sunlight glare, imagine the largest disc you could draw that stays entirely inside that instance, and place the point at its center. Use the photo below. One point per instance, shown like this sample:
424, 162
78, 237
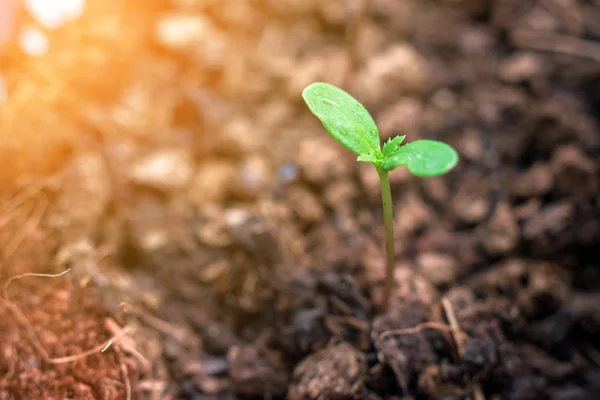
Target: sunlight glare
33, 41
55, 13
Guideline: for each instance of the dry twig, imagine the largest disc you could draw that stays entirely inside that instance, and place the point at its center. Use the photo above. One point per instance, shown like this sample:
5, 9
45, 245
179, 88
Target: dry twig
451, 316
553, 42
180, 334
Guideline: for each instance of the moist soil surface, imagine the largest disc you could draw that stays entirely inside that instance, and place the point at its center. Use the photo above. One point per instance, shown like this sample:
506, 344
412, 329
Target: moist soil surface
176, 225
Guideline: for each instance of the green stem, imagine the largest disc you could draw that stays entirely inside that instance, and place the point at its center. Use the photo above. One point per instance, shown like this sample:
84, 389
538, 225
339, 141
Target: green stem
388, 218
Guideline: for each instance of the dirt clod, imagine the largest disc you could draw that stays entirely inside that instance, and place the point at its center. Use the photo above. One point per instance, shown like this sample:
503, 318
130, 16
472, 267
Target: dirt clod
536, 181
439, 269
254, 373
306, 333
337, 372
408, 353
574, 172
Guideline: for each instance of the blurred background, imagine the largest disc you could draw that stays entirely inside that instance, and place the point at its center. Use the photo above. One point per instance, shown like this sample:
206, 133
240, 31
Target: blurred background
221, 245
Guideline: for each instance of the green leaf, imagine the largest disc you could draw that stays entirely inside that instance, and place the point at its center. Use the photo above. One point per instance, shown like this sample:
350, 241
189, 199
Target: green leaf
423, 158
392, 145
346, 120
368, 158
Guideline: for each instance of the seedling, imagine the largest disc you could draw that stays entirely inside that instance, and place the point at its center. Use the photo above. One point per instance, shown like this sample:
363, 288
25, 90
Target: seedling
351, 125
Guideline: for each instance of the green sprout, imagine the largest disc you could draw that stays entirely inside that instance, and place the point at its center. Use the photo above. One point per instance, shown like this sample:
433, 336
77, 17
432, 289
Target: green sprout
349, 123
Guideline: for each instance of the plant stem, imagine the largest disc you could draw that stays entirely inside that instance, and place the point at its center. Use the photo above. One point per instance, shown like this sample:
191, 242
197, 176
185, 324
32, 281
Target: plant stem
388, 218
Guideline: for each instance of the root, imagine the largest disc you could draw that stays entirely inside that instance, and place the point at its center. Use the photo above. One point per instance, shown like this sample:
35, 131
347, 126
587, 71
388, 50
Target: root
460, 344
126, 381
26, 275
425, 325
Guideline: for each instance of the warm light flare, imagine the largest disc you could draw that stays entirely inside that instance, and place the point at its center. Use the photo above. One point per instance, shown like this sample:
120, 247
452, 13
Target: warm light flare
55, 13
2, 90
33, 41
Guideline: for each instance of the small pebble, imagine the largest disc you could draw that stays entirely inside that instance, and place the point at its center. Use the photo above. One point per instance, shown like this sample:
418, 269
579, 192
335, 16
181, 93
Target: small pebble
288, 172
254, 177
401, 69
195, 34
213, 182
520, 67
438, 268
164, 169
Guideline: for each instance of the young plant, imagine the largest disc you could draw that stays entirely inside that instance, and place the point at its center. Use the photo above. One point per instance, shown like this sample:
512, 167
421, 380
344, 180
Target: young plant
351, 125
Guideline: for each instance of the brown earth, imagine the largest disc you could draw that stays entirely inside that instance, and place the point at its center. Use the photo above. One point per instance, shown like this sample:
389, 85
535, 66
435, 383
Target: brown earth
231, 249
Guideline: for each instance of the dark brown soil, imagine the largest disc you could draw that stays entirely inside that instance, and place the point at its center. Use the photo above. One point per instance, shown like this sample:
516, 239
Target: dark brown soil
164, 154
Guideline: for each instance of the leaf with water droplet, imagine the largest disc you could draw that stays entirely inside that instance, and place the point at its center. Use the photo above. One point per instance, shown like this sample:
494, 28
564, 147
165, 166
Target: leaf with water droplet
344, 118
423, 158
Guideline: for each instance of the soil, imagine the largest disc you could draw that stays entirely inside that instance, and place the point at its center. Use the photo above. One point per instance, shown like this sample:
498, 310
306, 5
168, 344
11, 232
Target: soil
219, 245
50, 324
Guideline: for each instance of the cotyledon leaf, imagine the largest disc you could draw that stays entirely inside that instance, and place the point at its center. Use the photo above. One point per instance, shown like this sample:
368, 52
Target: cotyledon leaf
343, 117
423, 158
